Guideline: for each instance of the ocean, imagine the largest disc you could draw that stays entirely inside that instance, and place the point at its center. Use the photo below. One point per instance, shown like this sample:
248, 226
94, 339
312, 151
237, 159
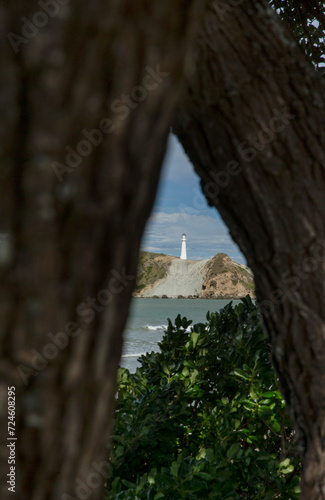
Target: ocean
148, 319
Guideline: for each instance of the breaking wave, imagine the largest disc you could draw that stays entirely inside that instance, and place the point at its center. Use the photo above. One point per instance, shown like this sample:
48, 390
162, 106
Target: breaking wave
153, 327
136, 355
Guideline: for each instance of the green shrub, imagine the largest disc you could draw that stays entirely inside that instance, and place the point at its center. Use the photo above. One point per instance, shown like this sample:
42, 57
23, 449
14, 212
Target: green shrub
204, 417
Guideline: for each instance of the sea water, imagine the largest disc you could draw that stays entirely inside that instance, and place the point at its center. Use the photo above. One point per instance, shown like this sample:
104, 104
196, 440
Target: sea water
148, 320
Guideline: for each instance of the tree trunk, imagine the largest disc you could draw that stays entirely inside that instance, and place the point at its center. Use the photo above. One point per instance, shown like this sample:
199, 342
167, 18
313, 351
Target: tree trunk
88, 90
252, 123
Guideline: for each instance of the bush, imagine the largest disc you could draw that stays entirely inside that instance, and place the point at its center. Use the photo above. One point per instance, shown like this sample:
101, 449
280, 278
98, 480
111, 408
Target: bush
204, 417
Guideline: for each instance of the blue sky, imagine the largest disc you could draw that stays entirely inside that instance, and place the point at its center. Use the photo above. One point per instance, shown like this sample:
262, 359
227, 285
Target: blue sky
181, 208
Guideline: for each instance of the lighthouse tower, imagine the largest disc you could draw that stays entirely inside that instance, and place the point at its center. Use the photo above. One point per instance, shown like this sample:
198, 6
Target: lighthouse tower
183, 250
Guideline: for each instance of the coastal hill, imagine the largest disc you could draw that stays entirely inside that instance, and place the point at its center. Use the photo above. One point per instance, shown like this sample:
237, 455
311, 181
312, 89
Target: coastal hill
162, 275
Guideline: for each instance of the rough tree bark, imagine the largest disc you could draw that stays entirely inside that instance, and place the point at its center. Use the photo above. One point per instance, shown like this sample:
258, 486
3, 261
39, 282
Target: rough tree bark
87, 94
253, 124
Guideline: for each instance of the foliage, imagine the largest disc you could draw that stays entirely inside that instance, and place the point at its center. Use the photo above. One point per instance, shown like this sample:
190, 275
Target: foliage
204, 417
306, 19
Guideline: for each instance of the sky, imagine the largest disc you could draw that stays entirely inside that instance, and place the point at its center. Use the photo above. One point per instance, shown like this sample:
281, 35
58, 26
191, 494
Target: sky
180, 207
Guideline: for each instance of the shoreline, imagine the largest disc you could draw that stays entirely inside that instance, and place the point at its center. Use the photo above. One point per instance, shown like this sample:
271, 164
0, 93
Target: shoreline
191, 297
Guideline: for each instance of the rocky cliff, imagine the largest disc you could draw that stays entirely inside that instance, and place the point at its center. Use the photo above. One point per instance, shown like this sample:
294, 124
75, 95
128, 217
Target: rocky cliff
162, 275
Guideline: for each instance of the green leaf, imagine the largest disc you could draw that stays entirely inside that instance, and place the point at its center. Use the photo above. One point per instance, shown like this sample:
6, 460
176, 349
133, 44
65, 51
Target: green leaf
152, 476
233, 451
194, 337
241, 373
268, 394
236, 424
158, 496
204, 475
288, 469
165, 368
276, 426
194, 375
175, 468
119, 451
142, 482
285, 462
253, 394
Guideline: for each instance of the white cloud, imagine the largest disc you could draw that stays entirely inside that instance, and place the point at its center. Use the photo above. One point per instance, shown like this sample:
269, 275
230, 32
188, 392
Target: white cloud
206, 235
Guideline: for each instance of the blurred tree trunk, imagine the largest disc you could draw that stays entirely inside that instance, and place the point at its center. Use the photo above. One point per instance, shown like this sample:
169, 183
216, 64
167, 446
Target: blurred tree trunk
88, 90
253, 124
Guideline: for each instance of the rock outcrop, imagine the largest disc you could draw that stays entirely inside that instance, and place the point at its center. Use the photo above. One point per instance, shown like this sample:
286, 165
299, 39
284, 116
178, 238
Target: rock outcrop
225, 278
162, 275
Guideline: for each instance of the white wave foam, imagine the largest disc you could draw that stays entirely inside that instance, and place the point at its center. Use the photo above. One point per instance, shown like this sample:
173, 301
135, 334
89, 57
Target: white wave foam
133, 355
157, 327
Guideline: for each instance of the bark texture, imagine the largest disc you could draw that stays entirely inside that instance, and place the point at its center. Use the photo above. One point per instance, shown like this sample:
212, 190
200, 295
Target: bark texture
87, 92
253, 124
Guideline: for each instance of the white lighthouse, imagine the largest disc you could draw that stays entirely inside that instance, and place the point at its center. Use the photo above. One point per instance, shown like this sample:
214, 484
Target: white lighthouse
183, 250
